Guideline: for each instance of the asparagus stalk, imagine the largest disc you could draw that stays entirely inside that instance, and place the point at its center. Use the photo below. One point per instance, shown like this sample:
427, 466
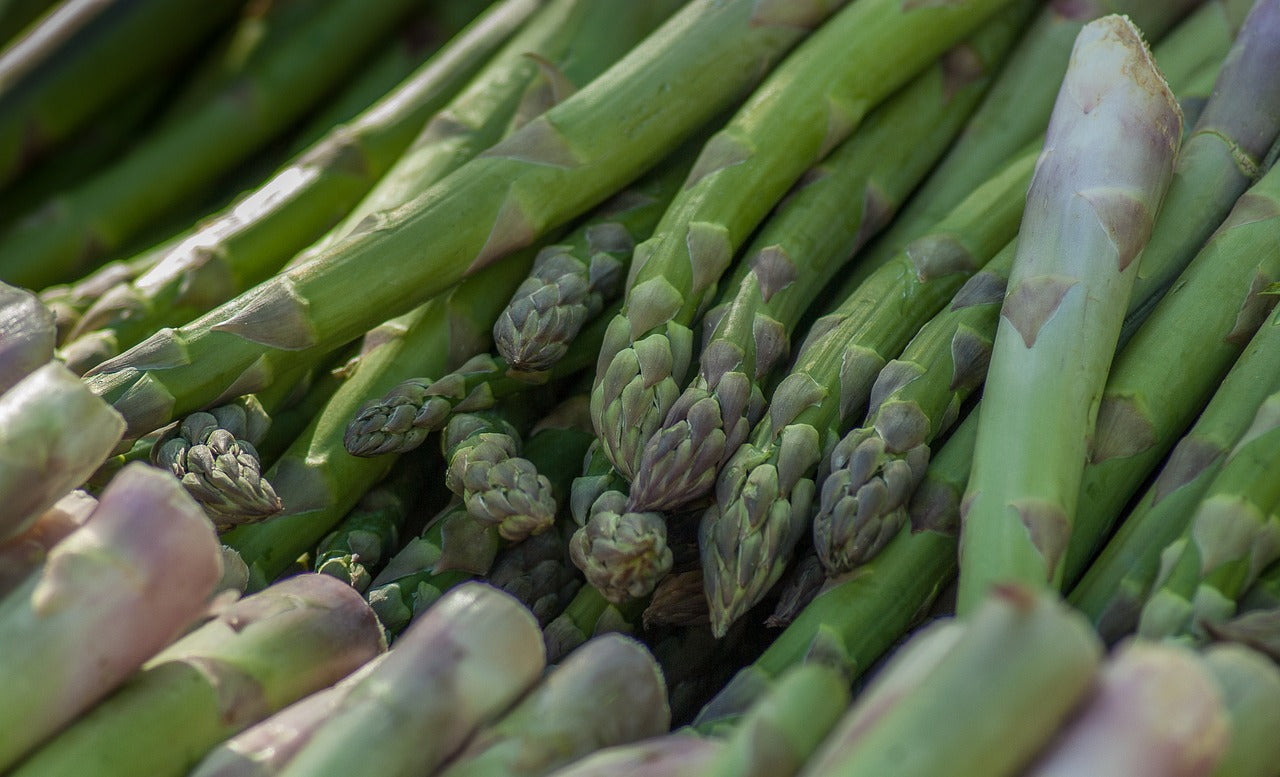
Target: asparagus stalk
1250, 686
551, 170
1023, 660
608, 692
109, 596
80, 58
798, 251
53, 433
1118, 583
29, 333
764, 493
672, 755
23, 554
539, 574
814, 101
257, 656
1108, 160
1157, 711
588, 615
247, 243
18, 16
400, 720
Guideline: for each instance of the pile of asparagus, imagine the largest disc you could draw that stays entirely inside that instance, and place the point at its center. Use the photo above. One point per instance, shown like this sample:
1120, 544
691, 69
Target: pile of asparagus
597, 387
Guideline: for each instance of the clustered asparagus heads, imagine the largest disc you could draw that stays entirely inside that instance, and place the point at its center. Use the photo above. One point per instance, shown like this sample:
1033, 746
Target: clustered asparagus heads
553, 169
255, 657
108, 596
608, 692
765, 491
1108, 160
816, 99
29, 335
400, 720
797, 252
1118, 583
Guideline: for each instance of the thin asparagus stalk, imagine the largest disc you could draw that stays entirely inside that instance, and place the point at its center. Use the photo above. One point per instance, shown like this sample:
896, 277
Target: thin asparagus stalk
1157, 712
54, 433
80, 58
673, 755
588, 615
400, 720
608, 692
797, 252
23, 554
110, 595
29, 335
1250, 686
764, 493
257, 656
1023, 660
1108, 160
595, 141
814, 101
247, 243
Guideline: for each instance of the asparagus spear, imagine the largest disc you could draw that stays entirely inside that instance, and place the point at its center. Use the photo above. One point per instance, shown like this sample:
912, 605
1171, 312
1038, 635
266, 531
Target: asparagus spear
247, 243
401, 719
798, 251
588, 615
608, 692
623, 553
29, 334
80, 58
551, 170
815, 100
1250, 686
1108, 159
539, 574
677, 601
1023, 661
257, 656
23, 554
763, 494
53, 434
672, 755
109, 596
1157, 711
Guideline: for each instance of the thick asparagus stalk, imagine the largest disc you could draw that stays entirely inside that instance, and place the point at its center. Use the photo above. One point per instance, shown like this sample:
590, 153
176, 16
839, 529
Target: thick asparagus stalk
400, 720
673, 755
808, 105
1108, 160
257, 656
608, 692
1250, 686
53, 434
29, 335
797, 252
1023, 661
551, 170
109, 596
1156, 712
23, 554
764, 493
82, 57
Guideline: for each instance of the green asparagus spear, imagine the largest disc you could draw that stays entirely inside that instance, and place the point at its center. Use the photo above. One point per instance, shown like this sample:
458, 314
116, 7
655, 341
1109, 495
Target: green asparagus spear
1250, 686
80, 58
29, 334
608, 692
588, 615
250, 241
623, 553
539, 574
469, 658
764, 493
810, 104
257, 656
672, 755
1108, 160
551, 170
109, 596
798, 251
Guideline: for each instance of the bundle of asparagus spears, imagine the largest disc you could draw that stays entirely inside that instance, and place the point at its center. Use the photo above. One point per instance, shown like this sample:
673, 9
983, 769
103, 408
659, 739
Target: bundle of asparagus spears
597, 387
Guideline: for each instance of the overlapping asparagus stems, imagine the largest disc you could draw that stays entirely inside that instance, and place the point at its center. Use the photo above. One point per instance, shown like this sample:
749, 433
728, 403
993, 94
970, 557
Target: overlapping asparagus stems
764, 493
1108, 159
108, 596
672, 755
797, 252
816, 99
71, 232
588, 615
22, 554
82, 57
255, 657
551, 170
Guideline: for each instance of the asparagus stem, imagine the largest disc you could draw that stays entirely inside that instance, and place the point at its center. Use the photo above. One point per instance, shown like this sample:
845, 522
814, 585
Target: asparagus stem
1250, 687
29, 334
673, 755
588, 615
23, 554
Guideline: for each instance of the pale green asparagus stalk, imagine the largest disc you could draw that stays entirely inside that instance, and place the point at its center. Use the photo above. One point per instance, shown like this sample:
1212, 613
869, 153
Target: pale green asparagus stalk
29, 335
553, 169
109, 596
588, 615
607, 693
24, 553
1108, 160
1157, 712
255, 657
672, 755
809, 105
795, 256
1250, 686
53, 434
402, 720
